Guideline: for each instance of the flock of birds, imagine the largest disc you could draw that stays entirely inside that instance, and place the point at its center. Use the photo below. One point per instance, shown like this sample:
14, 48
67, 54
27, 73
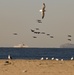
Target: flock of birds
36, 30
55, 58
9, 57
69, 37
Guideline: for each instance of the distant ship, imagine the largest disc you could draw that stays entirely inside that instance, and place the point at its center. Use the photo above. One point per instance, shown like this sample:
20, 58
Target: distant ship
67, 45
21, 46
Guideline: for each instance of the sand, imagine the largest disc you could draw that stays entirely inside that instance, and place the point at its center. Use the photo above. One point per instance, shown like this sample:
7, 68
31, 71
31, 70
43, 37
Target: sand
36, 67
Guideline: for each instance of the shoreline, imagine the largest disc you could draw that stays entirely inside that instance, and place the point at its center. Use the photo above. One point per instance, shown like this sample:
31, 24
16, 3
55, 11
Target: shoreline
36, 67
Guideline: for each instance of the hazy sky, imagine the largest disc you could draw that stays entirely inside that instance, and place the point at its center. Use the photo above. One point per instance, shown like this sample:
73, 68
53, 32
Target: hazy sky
20, 16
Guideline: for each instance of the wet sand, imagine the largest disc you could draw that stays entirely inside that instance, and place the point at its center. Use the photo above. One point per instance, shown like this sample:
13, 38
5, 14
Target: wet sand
36, 67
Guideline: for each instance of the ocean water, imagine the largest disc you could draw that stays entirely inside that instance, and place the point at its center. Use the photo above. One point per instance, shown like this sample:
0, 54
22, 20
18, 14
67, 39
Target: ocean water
37, 53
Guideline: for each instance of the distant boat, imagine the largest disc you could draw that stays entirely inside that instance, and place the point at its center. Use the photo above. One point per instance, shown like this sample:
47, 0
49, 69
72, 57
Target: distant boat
21, 46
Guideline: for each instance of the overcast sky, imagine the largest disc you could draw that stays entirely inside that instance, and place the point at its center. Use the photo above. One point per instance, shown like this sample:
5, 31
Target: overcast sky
20, 16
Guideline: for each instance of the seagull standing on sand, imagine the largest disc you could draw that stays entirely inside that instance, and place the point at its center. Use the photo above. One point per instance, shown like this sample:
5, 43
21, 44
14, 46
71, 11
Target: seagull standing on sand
43, 10
61, 59
56, 59
9, 57
46, 58
71, 58
42, 58
52, 58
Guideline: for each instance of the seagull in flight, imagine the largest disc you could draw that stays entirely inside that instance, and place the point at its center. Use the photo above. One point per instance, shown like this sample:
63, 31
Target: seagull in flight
43, 10
39, 21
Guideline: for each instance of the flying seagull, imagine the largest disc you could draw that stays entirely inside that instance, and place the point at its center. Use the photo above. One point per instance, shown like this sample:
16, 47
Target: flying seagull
34, 37
69, 39
43, 10
37, 28
51, 37
32, 30
14, 33
39, 21
69, 35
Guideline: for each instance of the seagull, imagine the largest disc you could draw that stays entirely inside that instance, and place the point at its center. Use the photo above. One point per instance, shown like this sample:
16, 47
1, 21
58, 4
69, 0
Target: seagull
69, 39
32, 30
9, 57
42, 58
56, 59
14, 33
37, 28
51, 37
42, 32
71, 58
61, 59
69, 35
39, 21
34, 37
43, 10
52, 58
46, 58
48, 34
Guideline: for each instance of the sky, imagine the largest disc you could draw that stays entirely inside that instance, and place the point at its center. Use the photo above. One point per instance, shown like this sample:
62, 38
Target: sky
20, 16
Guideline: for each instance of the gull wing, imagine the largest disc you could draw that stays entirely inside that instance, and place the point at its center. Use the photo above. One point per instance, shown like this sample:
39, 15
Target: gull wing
44, 6
43, 10
43, 14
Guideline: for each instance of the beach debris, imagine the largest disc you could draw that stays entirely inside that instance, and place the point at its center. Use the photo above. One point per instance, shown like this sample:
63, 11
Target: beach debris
7, 62
43, 10
24, 71
40, 64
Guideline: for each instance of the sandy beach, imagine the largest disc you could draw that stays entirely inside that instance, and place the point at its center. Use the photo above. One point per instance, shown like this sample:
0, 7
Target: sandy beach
36, 67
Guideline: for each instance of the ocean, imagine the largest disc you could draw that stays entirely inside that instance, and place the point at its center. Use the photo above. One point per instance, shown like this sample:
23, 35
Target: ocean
37, 53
